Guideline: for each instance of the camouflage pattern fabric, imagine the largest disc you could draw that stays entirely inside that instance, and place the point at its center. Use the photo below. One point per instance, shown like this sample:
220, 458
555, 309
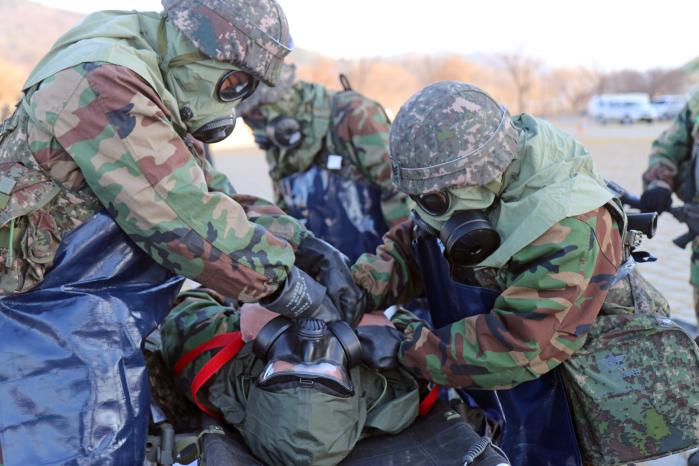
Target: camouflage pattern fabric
197, 316
450, 134
670, 161
103, 136
251, 34
670, 166
558, 307
554, 289
633, 389
179, 411
340, 123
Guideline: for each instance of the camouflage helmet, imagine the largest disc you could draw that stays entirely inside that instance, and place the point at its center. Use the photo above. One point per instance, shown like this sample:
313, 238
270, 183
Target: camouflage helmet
450, 134
251, 34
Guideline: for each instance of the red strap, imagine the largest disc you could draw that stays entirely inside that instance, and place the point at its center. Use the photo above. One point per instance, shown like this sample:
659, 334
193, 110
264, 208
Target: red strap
231, 344
219, 341
428, 402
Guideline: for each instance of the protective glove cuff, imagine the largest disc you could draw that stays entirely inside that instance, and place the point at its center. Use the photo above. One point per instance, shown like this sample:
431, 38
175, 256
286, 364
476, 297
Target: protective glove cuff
299, 298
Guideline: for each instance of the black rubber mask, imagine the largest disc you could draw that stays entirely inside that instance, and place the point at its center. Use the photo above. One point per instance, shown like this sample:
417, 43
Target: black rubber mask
285, 132
468, 237
307, 353
215, 131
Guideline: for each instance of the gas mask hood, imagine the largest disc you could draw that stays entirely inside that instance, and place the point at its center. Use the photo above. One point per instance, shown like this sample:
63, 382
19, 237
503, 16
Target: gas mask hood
206, 90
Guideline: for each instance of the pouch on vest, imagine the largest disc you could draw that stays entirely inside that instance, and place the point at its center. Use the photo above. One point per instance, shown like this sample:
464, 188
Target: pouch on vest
24, 186
537, 428
345, 213
634, 389
73, 383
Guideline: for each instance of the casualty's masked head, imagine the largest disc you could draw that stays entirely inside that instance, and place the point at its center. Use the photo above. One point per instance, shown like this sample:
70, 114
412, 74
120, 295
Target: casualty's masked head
450, 145
213, 55
305, 394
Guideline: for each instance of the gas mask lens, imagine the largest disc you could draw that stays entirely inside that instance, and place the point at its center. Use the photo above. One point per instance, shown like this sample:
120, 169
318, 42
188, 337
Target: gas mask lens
235, 85
436, 203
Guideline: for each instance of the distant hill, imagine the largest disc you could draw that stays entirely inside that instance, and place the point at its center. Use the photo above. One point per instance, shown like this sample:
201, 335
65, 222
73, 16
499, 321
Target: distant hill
29, 29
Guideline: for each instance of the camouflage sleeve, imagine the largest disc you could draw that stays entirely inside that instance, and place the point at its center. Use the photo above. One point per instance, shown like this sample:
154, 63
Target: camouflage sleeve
259, 211
391, 275
555, 289
117, 130
672, 148
273, 219
365, 126
216, 180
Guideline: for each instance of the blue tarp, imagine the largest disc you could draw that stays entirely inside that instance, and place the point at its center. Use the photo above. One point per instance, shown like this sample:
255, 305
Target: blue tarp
73, 383
345, 213
536, 426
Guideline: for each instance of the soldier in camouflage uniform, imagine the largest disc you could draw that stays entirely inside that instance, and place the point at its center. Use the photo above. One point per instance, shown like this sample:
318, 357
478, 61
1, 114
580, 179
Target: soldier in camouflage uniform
345, 132
454, 149
113, 118
671, 168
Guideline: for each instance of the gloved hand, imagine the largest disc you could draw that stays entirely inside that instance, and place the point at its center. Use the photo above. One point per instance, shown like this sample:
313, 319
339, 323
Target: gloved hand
656, 199
689, 214
380, 344
331, 268
262, 141
302, 298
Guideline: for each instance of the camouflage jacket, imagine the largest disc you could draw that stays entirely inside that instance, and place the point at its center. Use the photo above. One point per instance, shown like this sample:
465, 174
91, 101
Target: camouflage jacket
358, 131
670, 162
100, 137
551, 292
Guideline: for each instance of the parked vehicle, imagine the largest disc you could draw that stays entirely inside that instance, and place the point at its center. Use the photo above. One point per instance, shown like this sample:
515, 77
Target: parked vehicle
624, 108
668, 106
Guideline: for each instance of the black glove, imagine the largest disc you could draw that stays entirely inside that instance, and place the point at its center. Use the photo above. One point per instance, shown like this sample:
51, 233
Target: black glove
301, 297
689, 214
262, 141
380, 344
656, 199
331, 268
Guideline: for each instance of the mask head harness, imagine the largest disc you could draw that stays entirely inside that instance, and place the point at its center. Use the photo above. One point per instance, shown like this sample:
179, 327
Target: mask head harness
307, 353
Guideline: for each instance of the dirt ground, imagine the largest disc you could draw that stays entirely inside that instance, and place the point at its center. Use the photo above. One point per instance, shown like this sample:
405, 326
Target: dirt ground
620, 152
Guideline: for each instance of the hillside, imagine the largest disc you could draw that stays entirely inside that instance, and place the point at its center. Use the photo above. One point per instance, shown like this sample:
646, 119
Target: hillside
29, 29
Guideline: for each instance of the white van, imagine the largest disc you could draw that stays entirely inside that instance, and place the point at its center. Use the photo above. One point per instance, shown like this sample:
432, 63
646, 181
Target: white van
625, 108
668, 106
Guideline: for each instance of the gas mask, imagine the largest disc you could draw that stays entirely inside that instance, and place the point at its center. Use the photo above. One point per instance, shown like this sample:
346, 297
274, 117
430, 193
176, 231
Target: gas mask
284, 132
206, 90
307, 353
457, 217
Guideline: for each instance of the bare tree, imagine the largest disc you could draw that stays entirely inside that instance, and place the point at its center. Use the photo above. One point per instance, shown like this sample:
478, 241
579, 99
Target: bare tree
523, 71
664, 81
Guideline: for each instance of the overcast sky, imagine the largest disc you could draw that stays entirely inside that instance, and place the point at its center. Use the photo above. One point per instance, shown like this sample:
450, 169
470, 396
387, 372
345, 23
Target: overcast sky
608, 34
